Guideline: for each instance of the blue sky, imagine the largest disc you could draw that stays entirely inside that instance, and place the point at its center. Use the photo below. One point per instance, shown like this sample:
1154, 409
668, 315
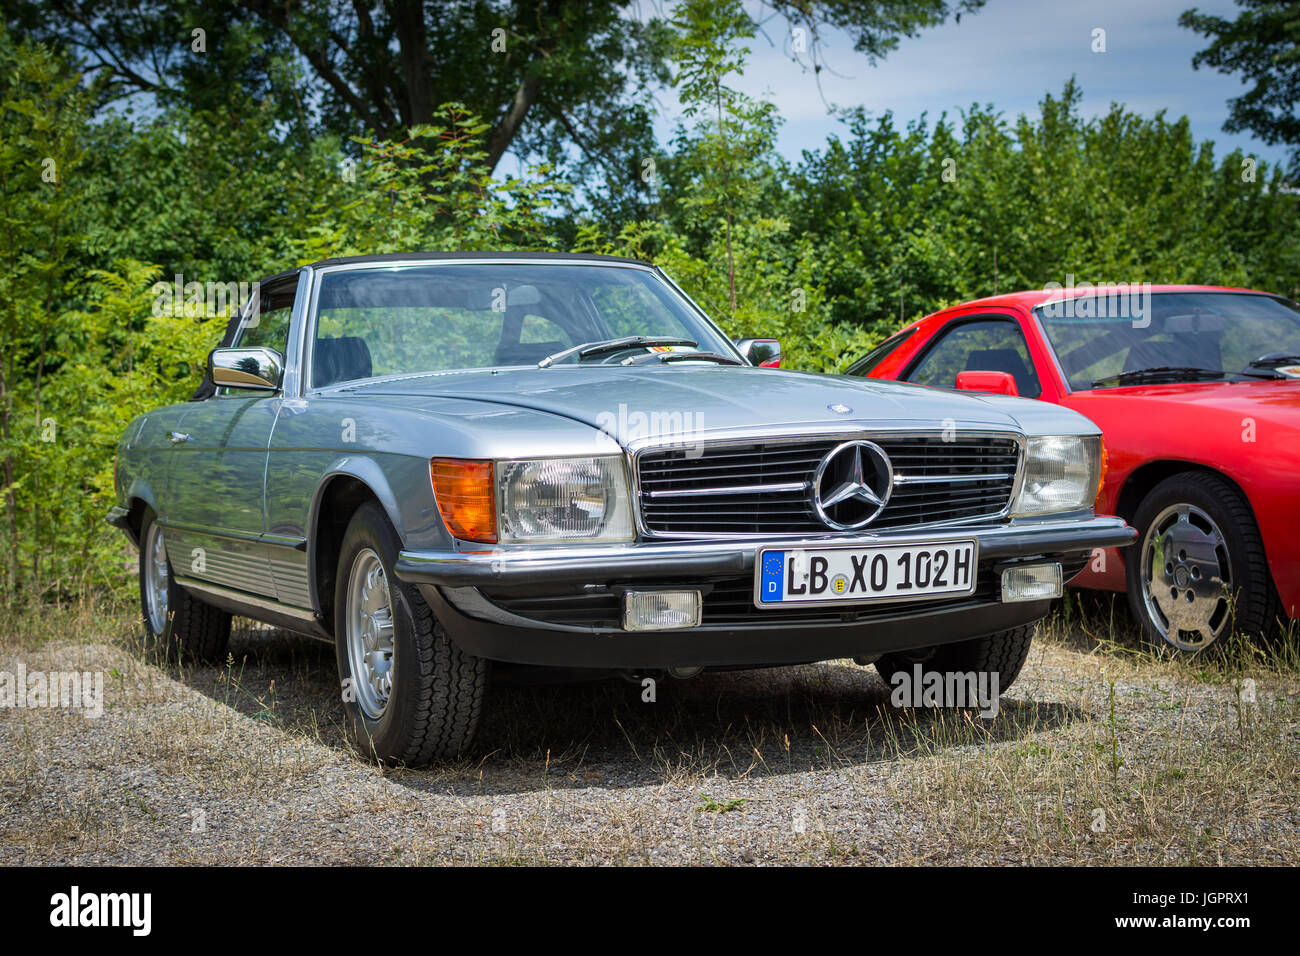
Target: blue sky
1009, 54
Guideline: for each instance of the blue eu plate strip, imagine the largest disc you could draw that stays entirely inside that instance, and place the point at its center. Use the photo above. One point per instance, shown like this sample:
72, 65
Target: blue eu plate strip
773, 582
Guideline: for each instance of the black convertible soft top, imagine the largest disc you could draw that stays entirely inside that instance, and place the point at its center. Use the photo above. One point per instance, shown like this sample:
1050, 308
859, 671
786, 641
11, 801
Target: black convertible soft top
407, 256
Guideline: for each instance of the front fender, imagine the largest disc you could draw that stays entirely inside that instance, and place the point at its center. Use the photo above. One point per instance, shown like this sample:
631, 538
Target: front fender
402, 488
139, 492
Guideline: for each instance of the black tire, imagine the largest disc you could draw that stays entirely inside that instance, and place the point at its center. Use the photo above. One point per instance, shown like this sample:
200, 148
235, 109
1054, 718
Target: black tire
432, 708
1255, 608
191, 630
1003, 653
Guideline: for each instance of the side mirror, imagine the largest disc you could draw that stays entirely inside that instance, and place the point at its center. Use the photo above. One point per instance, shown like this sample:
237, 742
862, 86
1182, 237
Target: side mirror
999, 383
765, 353
258, 369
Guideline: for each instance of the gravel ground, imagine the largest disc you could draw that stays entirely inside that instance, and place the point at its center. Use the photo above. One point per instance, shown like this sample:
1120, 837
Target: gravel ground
1094, 758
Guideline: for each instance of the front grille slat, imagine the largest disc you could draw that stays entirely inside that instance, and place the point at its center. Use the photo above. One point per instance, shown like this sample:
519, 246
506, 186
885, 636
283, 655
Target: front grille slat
980, 472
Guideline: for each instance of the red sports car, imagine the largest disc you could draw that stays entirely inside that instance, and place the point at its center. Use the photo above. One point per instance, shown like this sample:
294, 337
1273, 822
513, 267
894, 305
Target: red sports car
1197, 392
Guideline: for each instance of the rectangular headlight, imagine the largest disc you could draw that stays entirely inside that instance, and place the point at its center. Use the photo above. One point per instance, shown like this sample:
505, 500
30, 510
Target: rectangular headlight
563, 499
1061, 474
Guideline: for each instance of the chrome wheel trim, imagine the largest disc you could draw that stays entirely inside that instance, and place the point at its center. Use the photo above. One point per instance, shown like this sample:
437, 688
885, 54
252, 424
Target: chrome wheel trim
369, 627
157, 577
1186, 575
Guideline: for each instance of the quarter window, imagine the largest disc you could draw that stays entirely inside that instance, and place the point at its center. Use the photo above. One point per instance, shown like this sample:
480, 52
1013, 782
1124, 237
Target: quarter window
269, 327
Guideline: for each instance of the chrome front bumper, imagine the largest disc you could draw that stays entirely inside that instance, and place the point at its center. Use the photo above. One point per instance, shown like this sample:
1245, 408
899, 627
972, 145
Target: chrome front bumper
675, 559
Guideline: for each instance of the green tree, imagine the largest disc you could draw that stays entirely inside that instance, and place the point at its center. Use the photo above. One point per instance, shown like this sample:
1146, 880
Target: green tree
562, 83
558, 82
42, 115
719, 229
732, 129
942, 214
1263, 45
431, 192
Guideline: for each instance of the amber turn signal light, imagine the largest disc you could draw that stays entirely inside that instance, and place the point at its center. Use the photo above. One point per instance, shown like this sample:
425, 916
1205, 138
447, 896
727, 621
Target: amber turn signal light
464, 492
1101, 477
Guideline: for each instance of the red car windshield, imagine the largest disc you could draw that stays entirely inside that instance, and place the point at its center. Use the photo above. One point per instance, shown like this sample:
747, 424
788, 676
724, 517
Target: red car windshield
1173, 336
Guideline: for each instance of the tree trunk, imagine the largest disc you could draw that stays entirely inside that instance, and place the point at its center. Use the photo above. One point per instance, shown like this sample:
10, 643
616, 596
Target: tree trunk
417, 68
726, 184
504, 134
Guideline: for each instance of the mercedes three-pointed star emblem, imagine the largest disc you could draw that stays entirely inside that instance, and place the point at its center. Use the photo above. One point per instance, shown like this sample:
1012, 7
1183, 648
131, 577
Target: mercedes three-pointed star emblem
852, 485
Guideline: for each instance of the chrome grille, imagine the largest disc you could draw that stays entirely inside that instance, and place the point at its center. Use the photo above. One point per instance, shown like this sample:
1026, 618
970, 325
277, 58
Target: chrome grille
764, 487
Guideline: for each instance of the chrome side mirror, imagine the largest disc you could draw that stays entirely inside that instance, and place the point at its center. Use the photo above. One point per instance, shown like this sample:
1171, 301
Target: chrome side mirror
259, 369
765, 353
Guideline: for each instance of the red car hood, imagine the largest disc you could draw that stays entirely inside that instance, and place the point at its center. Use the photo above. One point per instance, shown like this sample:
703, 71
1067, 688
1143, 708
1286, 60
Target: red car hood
1273, 400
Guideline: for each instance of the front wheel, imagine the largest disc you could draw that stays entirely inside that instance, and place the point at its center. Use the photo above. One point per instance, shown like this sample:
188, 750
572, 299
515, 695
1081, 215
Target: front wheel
1199, 571
410, 693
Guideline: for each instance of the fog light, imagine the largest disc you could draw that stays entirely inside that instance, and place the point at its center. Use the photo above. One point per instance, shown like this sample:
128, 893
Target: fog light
1035, 582
660, 610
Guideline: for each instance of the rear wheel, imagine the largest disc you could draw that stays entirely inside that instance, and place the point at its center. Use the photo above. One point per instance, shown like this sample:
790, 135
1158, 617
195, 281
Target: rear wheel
177, 625
1199, 571
1002, 653
411, 695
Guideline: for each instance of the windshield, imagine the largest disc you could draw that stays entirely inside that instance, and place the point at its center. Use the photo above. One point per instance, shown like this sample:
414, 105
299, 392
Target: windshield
400, 320
1183, 336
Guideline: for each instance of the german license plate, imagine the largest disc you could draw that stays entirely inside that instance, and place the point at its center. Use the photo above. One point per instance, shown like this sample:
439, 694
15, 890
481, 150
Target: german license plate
858, 575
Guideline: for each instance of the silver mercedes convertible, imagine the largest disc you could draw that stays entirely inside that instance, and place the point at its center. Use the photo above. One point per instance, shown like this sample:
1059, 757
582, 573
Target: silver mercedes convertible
437, 461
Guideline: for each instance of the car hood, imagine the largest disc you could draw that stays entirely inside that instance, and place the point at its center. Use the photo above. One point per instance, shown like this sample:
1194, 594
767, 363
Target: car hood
631, 403
1270, 400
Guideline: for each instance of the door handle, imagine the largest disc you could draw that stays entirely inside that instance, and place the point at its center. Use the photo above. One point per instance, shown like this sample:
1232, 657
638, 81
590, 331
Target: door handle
177, 438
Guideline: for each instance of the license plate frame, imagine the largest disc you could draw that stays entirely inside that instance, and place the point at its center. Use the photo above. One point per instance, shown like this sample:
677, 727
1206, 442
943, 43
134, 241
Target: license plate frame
763, 571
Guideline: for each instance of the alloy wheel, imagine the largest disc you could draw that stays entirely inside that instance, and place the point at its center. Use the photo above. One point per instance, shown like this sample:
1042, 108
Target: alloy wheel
1186, 576
370, 633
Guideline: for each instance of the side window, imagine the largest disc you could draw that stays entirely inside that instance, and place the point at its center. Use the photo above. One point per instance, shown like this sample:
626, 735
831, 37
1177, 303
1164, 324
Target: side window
867, 364
269, 328
985, 345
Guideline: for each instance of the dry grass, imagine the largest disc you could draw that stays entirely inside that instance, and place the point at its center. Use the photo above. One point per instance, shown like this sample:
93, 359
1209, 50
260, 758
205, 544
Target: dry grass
1102, 753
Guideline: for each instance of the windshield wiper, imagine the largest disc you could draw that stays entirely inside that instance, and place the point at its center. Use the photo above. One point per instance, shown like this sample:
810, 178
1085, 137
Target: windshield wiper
1275, 360
1171, 372
667, 358
588, 349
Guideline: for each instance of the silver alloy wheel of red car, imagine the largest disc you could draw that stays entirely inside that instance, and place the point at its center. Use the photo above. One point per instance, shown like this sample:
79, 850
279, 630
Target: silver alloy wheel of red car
1186, 577
157, 579
370, 633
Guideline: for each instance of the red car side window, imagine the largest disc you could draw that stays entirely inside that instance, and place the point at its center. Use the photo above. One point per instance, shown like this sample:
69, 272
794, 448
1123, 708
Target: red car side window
982, 345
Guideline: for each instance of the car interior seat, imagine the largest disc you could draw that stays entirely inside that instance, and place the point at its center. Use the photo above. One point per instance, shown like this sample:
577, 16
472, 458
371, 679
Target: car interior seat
1005, 360
342, 359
